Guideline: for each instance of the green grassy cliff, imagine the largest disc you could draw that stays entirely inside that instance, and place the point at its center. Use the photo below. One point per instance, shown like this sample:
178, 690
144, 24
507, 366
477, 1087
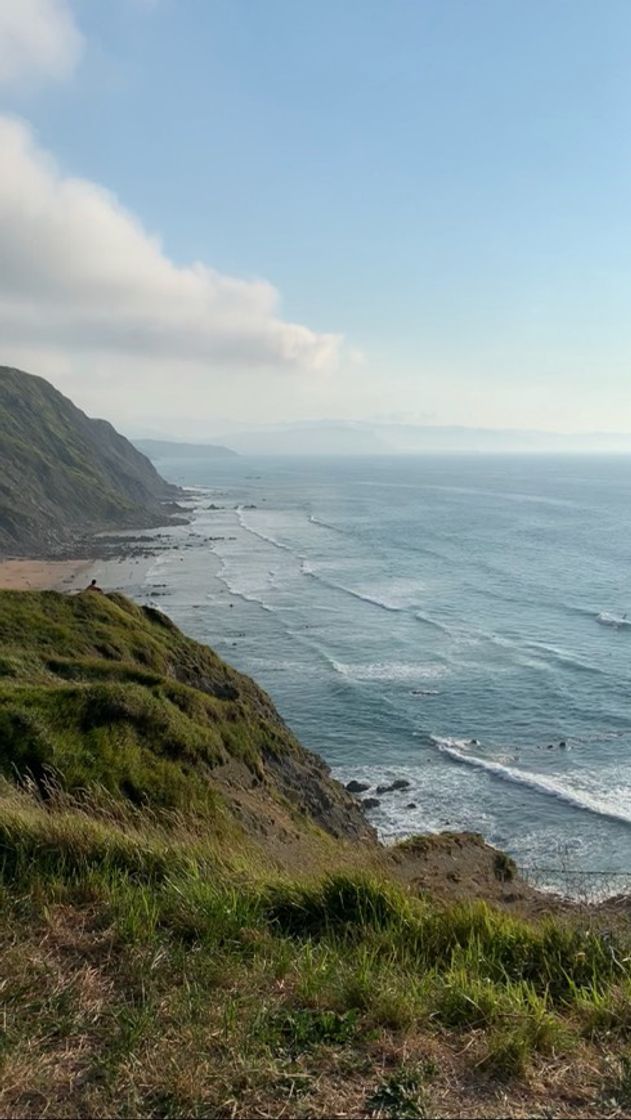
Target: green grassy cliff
98, 692
63, 475
196, 921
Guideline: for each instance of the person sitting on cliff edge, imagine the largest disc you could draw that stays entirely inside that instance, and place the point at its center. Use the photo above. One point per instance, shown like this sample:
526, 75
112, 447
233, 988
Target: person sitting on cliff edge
93, 586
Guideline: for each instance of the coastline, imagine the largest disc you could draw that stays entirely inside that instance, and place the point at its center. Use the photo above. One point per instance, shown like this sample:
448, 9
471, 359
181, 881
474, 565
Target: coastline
27, 574
118, 560
119, 572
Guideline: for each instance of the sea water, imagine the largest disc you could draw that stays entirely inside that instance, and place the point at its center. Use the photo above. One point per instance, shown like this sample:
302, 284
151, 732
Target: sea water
449, 621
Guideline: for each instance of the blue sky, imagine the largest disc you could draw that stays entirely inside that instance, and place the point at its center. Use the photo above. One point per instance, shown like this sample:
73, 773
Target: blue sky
438, 192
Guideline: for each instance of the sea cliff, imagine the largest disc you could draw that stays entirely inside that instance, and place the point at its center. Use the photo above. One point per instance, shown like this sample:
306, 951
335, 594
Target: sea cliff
198, 921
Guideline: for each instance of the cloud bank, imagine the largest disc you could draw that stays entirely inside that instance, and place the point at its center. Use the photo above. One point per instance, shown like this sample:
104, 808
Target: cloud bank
79, 273
38, 40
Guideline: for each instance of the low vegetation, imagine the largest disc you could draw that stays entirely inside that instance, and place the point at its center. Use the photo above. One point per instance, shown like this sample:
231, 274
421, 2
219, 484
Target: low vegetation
157, 960
99, 691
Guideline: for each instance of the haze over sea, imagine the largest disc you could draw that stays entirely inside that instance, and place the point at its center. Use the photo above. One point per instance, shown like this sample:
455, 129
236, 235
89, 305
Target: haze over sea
449, 621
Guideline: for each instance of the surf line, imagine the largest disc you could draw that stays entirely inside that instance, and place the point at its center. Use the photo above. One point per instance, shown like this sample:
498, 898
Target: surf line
537, 783
263, 536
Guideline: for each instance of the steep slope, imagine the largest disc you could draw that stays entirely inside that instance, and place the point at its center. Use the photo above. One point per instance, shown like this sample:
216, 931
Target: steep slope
197, 922
63, 474
101, 692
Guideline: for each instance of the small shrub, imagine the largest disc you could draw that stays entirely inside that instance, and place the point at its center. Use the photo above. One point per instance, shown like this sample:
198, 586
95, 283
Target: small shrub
504, 867
304, 1028
507, 1054
401, 1095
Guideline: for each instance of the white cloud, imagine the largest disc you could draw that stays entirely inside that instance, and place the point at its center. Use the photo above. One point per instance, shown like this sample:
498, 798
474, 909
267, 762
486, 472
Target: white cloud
79, 275
38, 39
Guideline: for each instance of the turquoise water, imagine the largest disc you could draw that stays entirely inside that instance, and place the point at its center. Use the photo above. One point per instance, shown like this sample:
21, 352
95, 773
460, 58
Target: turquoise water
398, 610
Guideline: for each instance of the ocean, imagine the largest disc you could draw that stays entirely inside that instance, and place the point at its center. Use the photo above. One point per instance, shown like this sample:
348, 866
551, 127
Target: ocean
450, 621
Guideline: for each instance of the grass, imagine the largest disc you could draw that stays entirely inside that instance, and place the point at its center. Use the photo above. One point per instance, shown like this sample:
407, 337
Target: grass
107, 693
128, 939
401, 1094
157, 960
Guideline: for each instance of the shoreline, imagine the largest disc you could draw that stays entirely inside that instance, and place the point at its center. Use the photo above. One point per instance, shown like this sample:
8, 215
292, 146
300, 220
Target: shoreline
118, 572
119, 560
25, 574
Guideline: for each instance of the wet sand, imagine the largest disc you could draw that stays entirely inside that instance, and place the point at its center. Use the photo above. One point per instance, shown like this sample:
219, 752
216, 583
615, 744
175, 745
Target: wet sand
116, 573
41, 575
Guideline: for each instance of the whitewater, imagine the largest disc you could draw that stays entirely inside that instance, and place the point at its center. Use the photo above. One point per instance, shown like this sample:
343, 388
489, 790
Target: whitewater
457, 622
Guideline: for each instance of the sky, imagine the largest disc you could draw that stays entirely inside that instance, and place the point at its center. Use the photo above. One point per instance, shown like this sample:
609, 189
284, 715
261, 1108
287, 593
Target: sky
242, 212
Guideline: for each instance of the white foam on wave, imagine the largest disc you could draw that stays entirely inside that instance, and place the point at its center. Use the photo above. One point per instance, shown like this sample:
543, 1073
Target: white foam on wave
617, 621
326, 525
553, 655
310, 572
432, 622
260, 534
388, 671
441, 800
459, 751
162, 560
239, 592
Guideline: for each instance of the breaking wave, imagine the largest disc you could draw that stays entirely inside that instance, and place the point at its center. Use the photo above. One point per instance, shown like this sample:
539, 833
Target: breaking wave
311, 573
458, 750
260, 534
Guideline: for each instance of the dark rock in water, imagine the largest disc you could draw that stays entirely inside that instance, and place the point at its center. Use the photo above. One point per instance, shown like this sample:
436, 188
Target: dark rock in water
370, 802
401, 783
357, 787
563, 743
412, 805
474, 743
550, 746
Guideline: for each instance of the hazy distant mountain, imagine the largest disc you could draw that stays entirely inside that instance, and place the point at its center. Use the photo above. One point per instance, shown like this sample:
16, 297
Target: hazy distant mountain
63, 475
415, 439
344, 438
310, 439
176, 449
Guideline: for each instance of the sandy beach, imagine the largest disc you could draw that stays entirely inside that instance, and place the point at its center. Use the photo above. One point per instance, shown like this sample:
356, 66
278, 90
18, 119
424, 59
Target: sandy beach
118, 573
40, 575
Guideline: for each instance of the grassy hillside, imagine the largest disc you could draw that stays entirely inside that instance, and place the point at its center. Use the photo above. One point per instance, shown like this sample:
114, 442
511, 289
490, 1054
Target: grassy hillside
196, 920
95, 691
63, 474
